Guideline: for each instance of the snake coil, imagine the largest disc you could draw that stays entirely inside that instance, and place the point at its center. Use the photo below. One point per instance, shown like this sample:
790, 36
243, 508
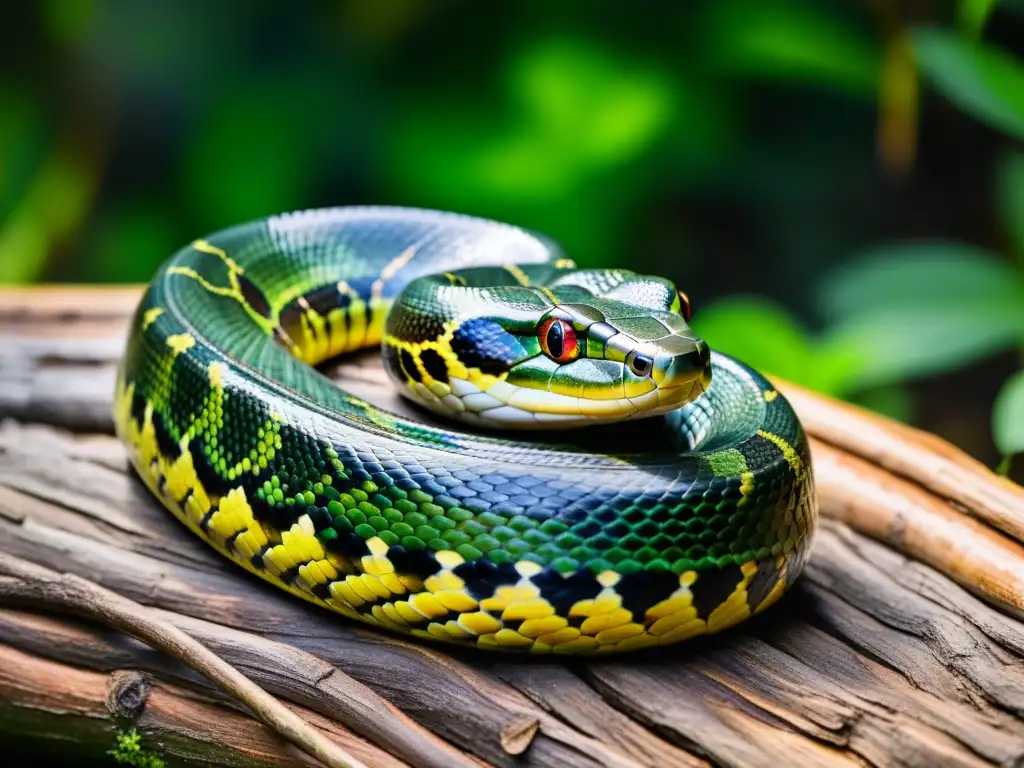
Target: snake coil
634, 535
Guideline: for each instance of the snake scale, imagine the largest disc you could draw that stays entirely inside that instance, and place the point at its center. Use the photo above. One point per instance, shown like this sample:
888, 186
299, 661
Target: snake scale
606, 539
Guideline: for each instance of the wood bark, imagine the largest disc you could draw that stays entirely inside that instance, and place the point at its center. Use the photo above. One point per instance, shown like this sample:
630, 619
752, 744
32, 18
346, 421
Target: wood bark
901, 645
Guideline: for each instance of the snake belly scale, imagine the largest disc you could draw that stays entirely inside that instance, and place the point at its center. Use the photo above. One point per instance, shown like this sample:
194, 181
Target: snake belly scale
686, 524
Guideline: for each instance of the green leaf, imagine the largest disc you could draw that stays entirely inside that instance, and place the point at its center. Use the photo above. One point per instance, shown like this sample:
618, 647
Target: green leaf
51, 208
918, 309
564, 84
903, 342
933, 275
765, 336
1010, 200
972, 15
982, 80
68, 20
1008, 416
791, 41
25, 139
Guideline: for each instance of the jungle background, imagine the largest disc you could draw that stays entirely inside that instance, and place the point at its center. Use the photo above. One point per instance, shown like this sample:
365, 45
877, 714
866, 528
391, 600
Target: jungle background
838, 186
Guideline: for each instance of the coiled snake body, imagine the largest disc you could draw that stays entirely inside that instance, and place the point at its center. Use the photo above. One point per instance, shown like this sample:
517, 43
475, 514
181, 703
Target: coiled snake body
645, 533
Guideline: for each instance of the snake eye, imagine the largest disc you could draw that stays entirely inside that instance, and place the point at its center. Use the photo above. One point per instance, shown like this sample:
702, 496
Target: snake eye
684, 305
558, 340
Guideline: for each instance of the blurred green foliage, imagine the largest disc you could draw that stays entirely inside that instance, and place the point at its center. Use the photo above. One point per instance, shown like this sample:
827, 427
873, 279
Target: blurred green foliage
983, 81
836, 185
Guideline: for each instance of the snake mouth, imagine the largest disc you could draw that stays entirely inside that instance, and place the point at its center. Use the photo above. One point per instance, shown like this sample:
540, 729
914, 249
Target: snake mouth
505, 406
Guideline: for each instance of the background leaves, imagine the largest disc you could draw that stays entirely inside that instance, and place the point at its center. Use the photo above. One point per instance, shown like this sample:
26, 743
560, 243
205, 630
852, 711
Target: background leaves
793, 41
839, 187
1008, 417
982, 80
768, 337
918, 309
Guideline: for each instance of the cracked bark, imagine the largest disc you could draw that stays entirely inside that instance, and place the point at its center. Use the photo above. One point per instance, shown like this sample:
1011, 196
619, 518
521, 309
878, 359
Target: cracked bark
901, 645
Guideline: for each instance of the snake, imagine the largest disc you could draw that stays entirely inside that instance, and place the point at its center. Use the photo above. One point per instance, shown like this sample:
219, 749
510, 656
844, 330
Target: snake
581, 473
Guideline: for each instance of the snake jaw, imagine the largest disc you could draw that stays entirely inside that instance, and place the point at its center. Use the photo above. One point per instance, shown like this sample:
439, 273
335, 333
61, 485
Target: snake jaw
512, 403
505, 406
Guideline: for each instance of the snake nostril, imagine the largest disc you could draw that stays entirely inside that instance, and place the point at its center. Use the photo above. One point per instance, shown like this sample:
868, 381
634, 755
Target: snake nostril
641, 365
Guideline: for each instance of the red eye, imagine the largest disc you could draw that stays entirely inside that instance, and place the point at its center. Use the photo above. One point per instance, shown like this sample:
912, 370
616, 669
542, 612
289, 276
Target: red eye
557, 340
684, 306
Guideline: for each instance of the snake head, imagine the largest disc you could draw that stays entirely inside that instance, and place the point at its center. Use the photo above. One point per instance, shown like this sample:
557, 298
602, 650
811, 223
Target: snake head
566, 349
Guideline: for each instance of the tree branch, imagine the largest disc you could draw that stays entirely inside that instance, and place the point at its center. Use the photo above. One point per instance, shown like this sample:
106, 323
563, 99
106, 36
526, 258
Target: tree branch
916, 455
24, 581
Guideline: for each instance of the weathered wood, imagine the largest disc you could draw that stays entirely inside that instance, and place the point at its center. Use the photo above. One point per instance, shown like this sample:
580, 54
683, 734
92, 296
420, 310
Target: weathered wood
876, 657
910, 519
23, 581
923, 458
40, 698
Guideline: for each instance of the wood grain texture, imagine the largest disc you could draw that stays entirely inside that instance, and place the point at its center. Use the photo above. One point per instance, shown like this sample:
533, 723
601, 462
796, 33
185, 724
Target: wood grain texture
40, 699
901, 645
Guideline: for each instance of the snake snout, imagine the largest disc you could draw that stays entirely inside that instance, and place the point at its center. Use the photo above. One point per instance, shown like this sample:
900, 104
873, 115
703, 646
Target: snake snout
682, 368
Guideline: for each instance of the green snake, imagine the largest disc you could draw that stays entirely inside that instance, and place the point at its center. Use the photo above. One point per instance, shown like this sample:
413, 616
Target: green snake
603, 539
